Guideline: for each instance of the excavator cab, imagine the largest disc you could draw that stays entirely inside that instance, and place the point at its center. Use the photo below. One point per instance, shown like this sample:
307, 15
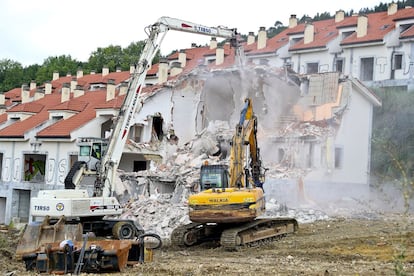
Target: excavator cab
214, 176
91, 151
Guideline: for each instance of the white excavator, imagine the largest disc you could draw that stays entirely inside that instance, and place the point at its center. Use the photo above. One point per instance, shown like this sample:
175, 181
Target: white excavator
73, 208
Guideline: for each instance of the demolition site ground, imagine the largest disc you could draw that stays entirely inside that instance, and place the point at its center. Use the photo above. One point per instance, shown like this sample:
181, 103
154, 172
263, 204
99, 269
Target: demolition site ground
365, 245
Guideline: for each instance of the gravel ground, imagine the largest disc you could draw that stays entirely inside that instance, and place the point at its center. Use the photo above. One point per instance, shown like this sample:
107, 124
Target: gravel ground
377, 245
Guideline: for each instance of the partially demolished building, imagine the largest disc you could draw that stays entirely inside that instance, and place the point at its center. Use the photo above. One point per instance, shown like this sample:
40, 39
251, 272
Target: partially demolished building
314, 124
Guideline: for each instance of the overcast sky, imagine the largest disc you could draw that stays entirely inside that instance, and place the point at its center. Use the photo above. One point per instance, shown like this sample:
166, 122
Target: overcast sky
33, 30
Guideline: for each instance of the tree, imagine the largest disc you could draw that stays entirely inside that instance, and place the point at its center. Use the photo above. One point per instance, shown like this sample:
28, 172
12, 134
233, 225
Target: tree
393, 132
30, 73
110, 56
132, 53
276, 29
11, 74
62, 64
115, 57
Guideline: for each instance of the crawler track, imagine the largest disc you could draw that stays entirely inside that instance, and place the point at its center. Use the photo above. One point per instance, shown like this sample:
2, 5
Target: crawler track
259, 230
233, 236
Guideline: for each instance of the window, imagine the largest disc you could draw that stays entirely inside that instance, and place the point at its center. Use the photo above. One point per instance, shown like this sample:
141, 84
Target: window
34, 167
367, 69
136, 133
84, 150
398, 58
312, 68
140, 166
339, 65
338, 157
96, 150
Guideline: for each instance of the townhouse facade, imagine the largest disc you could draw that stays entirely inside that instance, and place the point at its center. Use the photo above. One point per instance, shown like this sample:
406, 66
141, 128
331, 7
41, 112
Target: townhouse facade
39, 125
376, 48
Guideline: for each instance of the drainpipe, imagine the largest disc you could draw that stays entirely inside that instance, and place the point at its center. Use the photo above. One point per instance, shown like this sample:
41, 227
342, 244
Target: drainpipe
392, 73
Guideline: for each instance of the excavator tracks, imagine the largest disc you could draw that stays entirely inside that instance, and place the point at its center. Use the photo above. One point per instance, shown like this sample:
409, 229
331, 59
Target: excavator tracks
231, 236
178, 235
257, 231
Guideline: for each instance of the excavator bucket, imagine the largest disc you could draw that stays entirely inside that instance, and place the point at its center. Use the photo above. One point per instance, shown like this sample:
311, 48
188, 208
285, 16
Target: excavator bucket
37, 235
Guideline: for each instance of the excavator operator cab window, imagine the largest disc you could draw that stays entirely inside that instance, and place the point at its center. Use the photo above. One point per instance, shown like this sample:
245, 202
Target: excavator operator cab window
84, 150
96, 151
213, 177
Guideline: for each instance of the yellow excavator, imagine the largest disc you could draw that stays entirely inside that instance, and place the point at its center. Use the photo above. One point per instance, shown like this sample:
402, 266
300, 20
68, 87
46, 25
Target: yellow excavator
231, 198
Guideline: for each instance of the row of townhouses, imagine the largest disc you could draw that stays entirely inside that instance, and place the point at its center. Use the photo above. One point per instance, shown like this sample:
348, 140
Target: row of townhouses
310, 83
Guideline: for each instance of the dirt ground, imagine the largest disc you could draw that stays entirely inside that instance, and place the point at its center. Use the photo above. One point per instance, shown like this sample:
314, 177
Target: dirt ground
380, 245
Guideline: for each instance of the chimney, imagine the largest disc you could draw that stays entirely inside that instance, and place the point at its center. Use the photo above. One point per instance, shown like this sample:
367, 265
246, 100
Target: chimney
92, 72
105, 71
219, 55
339, 16
55, 75
261, 38
73, 84
162, 71
193, 45
175, 68
362, 26
250, 38
48, 88
78, 91
79, 74
39, 94
182, 58
131, 68
293, 21
309, 33
213, 43
32, 85
65, 92
118, 69
2, 103
123, 89
25, 94
110, 90
68, 74
392, 8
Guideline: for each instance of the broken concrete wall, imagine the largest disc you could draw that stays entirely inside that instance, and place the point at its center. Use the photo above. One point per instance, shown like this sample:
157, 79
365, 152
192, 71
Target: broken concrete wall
204, 110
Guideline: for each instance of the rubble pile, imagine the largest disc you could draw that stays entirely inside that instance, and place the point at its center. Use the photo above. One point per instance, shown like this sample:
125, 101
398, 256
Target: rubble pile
161, 213
157, 214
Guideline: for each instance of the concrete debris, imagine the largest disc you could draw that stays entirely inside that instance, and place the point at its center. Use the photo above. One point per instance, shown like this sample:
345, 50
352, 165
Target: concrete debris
157, 197
162, 212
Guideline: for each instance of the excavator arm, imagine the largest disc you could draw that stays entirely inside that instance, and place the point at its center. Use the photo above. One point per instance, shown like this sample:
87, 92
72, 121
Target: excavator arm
242, 176
133, 102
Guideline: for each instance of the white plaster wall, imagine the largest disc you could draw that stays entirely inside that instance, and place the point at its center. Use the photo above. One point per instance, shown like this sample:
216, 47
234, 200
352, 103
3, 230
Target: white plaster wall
323, 58
185, 115
57, 162
382, 62
354, 135
161, 102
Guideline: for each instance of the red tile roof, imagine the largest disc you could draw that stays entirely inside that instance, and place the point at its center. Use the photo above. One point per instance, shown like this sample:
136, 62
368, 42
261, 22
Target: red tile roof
19, 128
3, 118
409, 33
324, 32
31, 107
85, 105
379, 24
272, 44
